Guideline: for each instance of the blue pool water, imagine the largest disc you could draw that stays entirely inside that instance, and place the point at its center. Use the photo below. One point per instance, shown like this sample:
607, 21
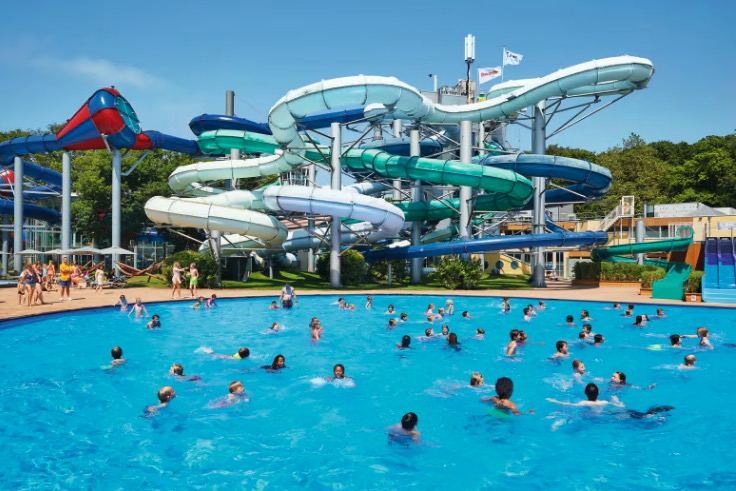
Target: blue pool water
66, 422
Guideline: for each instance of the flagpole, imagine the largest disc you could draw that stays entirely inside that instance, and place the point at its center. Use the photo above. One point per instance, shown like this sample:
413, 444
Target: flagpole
503, 63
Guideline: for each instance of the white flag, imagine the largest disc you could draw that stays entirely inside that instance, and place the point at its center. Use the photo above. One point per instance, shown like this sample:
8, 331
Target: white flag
486, 74
511, 58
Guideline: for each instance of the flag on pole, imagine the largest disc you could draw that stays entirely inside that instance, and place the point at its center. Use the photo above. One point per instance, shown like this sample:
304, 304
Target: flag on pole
487, 74
511, 58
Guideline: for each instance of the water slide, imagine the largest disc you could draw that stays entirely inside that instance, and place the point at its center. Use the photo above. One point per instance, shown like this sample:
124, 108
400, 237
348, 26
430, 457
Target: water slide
671, 286
388, 97
719, 282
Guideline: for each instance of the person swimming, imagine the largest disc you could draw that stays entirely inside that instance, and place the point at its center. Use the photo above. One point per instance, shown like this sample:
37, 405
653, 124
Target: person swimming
618, 381
177, 369
591, 392
274, 305
476, 380
405, 432
338, 372
578, 368
117, 356
403, 317
502, 399
452, 341
689, 362
155, 322
480, 333
639, 321
198, 305
570, 321
274, 327
211, 302
562, 350
511, 347
369, 302
242, 354
466, 314
390, 310
598, 340
445, 330
279, 362
391, 324
165, 395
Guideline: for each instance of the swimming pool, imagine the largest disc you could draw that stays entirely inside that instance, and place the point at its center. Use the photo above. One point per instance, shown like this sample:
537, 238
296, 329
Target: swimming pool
65, 421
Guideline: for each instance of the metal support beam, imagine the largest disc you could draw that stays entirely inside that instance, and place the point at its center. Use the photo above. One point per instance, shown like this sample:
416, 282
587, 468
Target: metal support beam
539, 147
336, 184
466, 150
18, 215
66, 201
6, 243
116, 203
312, 176
416, 196
397, 182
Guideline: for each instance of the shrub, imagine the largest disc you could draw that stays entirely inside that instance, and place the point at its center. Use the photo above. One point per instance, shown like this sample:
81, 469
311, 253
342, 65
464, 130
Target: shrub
587, 270
649, 277
625, 271
453, 273
378, 271
206, 265
694, 281
352, 267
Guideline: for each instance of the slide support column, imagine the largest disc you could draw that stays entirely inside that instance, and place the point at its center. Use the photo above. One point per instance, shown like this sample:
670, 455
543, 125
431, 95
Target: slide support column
466, 153
336, 224
640, 234
311, 175
116, 204
18, 215
396, 195
539, 147
416, 196
66, 201
6, 243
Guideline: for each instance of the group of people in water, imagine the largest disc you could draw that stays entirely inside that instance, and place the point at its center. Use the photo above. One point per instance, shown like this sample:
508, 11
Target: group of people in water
406, 431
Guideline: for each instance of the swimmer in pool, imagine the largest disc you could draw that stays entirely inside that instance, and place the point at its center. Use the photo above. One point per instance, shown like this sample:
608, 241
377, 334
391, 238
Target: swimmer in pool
404, 317
138, 308
704, 342
122, 303
506, 305
198, 305
476, 380
541, 306
527, 315
570, 320
591, 392
466, 314
391, 324
450, 310
675, 341
578, 370
689, 362
598, 340
406, 431
616, 306
521, 340
618, 381
627, 313
165, 394
440, 315
155, 322
316, 331
211, 302
660, 314
274, 305
562, 350
369, 302
639, 321
390, 310
445, 330
504, 391
530, 308
242, 354
511, 347
452, 340
278, 363
274, 327
339, 373
237, 392
177, 369
585, 316
480, 333
430, 311
117, 356
405, 342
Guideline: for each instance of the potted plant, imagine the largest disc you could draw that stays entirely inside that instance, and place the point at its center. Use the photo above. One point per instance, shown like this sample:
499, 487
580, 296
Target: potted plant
694, 284
647, 279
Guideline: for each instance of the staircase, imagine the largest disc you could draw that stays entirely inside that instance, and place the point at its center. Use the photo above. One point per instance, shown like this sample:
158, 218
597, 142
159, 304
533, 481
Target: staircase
625, 209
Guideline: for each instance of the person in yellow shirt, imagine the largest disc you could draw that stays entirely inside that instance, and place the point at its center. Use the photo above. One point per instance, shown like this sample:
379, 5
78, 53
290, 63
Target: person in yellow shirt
65, 278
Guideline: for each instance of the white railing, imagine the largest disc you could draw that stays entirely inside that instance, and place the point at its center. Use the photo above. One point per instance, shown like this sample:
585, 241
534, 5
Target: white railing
625, 209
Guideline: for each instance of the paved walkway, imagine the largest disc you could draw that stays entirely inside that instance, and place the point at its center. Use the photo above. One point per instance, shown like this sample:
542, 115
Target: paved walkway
87, 298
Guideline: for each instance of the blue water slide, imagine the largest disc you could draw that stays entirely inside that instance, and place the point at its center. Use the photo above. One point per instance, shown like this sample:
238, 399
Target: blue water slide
25, 145
31, 211
558, 238
209, 122
726, 273
401, 146
172, 143
590, 180
710, 280
325, 119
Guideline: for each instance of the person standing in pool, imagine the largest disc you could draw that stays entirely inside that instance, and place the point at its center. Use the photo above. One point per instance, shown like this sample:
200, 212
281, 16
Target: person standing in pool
193, 279
176, 272
504, 391
511, 347
369, 302
138, 308
288, 296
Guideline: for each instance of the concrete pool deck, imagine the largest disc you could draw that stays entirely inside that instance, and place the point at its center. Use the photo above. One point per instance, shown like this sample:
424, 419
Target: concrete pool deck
87, 298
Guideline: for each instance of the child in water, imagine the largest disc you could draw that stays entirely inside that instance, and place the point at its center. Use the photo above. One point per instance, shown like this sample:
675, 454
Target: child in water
504, 391
405, 342
122, 303
138, 308
165, 394
405, 432
117, 356
177, 370
450, 310
155, 322
274, 305
279, 362
211, 302
199, 303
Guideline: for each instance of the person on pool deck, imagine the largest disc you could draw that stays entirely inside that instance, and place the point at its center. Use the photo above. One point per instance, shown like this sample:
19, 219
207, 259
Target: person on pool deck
562, 350
177, 369
578, 370
274, 305
504, 391
155, 322
511, 347
689, 362
193, 279
211, 302
591, 392
99, 279
122, 303
369, 302
176, 272
165, 394
242, 354
405, 342
279, 362
450, 304
117, 356
406, 431
138, 308
65, 278
390, 310
476, 380
288, 296
199, 303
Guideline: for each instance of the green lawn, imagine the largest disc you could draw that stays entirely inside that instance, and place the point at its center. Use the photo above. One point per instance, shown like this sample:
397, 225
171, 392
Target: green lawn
310, 281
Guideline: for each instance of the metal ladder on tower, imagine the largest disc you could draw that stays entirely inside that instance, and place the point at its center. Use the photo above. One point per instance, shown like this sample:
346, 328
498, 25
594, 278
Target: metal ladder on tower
625, 209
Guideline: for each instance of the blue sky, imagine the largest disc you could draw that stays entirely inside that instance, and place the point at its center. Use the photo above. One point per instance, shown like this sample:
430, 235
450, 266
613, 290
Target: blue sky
174, 60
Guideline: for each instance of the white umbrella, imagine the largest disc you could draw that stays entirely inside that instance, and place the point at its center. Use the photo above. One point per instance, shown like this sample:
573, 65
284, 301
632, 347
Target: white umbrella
116, 250
29, 252
54, 251
82, 251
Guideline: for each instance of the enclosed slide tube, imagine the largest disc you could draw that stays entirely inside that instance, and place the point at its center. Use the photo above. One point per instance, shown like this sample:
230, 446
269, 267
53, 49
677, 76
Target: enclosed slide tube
668, 245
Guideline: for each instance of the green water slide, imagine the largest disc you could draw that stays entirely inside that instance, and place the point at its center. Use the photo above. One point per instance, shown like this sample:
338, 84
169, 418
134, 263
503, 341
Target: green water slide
671, 286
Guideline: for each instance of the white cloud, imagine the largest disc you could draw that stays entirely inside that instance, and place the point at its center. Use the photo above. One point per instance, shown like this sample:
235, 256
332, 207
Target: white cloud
102, 71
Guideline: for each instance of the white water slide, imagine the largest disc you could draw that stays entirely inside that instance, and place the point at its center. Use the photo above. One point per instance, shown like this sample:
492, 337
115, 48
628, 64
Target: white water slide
241, 213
